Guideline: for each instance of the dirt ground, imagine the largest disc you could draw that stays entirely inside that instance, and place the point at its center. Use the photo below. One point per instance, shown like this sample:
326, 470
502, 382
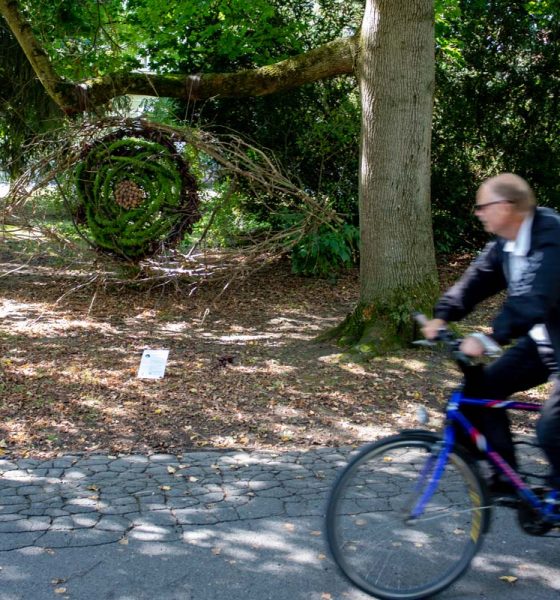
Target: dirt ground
244, 371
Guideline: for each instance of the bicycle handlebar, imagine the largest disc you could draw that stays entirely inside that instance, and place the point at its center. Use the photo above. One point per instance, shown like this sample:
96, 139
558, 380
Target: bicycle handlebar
452, 342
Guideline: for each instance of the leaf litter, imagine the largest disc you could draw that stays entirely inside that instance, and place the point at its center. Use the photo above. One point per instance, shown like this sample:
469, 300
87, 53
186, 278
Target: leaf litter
244, 370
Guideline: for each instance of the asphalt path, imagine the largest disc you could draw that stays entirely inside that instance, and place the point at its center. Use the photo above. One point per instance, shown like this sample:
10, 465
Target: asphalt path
210, 525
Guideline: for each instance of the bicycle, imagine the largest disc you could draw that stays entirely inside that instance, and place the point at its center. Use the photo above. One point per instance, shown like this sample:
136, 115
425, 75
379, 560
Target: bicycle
408, 513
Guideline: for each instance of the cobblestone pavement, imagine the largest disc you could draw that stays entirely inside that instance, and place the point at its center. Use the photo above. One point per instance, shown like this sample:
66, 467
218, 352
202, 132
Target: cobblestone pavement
208, 525
92, 500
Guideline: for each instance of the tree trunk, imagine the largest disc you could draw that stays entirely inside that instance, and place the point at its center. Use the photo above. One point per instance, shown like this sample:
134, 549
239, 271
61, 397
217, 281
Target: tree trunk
396, 71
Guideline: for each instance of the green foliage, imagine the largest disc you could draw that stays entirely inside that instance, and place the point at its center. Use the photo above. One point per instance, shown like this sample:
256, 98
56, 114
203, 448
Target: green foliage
83, 39
497, 97
25, 108
225, 221
325, 251
498, 92
313, 131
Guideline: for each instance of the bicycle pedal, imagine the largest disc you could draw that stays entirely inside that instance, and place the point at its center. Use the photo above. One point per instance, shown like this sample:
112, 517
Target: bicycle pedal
507, 501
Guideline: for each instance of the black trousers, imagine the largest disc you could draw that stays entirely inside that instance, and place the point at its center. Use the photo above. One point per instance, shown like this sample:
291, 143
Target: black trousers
520, 368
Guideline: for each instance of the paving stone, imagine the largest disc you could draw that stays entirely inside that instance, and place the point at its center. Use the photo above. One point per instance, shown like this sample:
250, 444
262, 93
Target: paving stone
258, 509
9, 517
25, 525
12, 500
62, 524
19, 475
75, 474
88, 500
8, 465
56, 512
192, 516
182, 502
89, 520
13, 541
55, 473
29, 490
77, 538
113, 523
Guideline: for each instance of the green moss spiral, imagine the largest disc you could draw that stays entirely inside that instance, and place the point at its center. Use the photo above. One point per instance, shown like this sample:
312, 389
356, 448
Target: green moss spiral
136, 192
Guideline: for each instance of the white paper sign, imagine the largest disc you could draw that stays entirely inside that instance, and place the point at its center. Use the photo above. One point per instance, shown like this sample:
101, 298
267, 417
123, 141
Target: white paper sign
152, 364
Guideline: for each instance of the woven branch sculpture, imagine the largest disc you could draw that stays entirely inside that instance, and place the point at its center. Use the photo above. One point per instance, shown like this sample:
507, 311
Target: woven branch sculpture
136, 192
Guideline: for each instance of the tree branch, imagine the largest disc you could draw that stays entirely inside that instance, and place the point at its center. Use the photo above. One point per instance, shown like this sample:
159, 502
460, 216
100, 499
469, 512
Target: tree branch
329, 60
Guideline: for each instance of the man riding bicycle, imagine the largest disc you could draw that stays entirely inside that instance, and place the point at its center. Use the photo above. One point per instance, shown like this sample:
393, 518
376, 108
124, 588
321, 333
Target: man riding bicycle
524, 259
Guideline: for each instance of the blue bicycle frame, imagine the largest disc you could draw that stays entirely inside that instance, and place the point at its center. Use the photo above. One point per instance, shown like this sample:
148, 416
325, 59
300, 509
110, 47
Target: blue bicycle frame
436, 463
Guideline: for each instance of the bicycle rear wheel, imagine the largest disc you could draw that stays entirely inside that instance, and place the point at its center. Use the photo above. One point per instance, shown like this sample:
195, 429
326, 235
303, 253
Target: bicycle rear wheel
373, 540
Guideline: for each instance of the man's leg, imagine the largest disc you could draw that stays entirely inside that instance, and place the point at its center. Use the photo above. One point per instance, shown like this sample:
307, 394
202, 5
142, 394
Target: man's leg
519, 368
548, 432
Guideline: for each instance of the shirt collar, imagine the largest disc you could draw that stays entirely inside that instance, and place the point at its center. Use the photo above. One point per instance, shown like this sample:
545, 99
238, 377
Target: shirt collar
521, 244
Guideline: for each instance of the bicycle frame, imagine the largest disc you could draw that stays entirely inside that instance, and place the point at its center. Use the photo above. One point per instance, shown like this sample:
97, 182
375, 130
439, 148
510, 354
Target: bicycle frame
435, 465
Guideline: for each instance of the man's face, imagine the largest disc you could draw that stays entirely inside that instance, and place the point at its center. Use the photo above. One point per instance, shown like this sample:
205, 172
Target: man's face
496, 215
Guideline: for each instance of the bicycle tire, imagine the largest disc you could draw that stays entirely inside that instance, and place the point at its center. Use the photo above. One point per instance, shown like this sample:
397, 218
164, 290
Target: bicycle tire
369, 537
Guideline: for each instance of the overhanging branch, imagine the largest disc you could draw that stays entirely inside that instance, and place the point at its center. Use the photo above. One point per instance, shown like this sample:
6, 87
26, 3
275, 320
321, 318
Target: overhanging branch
329, 60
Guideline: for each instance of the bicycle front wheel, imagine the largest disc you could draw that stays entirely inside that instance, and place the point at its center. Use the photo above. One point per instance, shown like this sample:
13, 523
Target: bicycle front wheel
372, 536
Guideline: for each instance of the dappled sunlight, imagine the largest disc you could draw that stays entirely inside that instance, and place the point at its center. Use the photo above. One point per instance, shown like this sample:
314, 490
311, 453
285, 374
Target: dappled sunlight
243, 372
284, 542
309, 322
522, 568
40, 319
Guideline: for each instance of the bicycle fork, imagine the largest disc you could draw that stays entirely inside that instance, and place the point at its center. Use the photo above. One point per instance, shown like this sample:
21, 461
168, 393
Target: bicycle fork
429, 477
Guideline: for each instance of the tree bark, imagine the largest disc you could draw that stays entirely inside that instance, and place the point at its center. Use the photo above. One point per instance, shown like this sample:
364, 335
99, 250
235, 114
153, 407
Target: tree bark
396, 69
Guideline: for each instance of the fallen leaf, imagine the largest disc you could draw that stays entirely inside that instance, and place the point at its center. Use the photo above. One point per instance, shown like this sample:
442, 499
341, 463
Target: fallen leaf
171, 470
165, 488
509, 578
60, 590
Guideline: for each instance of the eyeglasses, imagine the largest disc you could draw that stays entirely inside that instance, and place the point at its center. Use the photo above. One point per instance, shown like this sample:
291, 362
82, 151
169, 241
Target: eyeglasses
482, 207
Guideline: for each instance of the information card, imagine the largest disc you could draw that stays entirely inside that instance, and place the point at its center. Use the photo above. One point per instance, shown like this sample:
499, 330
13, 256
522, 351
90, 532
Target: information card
152, 364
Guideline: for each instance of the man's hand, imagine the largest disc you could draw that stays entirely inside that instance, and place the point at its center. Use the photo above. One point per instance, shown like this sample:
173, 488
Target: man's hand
432, 327
472, 346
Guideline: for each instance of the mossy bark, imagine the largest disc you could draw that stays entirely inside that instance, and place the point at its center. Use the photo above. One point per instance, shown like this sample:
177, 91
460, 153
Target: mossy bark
376, 328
